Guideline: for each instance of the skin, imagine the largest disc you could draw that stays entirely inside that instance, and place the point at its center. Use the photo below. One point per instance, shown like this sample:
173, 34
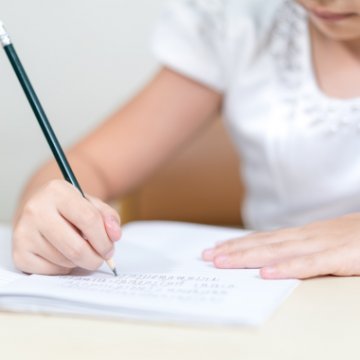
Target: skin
140, 137
109, 163
325, 247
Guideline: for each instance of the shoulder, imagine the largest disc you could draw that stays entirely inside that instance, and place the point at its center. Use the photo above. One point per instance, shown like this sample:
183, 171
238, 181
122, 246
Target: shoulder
260, 13
207, 40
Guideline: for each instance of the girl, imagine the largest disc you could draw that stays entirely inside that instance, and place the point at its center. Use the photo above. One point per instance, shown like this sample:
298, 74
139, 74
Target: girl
286, 74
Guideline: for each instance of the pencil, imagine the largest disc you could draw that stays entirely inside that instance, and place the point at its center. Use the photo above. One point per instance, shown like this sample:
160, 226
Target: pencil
41, 117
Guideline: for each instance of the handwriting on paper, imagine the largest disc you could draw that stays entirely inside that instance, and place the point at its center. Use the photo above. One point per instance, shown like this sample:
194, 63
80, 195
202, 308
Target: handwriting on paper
6, 277
170, 287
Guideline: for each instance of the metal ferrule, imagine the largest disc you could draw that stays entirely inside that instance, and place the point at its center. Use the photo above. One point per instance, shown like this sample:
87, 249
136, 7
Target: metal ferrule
4, 36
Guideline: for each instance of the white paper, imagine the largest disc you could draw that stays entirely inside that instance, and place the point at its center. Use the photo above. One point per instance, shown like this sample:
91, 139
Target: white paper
6, 277
161, 278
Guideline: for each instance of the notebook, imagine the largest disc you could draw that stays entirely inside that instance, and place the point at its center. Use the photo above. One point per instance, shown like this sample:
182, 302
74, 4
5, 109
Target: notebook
162, 278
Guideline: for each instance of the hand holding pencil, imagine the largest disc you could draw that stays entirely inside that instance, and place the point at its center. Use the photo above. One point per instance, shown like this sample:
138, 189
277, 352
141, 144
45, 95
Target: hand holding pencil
58, 217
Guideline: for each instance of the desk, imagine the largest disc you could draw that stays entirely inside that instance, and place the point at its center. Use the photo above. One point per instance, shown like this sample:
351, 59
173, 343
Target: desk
320, 320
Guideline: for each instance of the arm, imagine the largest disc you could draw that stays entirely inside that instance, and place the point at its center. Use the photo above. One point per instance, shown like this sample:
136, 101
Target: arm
114, 159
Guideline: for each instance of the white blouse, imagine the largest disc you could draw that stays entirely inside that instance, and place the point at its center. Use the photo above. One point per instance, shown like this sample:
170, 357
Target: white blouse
300, 149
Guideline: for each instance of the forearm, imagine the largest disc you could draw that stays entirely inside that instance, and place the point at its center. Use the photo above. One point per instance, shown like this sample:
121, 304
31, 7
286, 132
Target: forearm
136, 140
144, 134
108, 163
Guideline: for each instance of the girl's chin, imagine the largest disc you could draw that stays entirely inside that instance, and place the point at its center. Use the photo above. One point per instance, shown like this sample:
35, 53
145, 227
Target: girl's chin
336, 30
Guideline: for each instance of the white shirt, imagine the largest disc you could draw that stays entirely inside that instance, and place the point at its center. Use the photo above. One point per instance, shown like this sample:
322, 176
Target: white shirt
300, 149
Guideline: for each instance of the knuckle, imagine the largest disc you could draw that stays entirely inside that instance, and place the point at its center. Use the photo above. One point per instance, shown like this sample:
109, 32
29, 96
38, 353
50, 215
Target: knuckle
31, 208
75, 252
310, 261
90, 216
239, 257
228, 246
54, 187
274, 248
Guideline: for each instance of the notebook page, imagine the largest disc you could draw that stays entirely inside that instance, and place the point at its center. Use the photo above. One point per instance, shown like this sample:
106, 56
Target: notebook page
157, 246
245, 300
161, 276
6, 277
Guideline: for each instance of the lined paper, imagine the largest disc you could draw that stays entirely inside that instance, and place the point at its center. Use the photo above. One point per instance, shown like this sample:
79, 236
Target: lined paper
161, 278
6, 277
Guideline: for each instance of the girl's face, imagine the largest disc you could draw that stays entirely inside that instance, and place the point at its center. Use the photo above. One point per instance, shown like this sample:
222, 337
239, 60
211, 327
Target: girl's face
336, 19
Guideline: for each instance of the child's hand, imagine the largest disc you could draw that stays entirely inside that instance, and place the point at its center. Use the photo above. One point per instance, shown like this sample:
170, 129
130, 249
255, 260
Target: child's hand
47, 239
320, 248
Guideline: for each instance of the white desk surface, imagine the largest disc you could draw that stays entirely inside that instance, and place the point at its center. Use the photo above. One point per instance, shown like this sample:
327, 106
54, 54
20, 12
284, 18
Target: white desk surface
320, 320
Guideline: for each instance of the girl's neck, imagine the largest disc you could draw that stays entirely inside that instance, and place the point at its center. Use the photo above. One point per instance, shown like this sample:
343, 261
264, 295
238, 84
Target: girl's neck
336, 65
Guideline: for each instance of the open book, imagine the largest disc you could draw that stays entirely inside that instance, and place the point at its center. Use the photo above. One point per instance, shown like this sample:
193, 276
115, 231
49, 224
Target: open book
161, 278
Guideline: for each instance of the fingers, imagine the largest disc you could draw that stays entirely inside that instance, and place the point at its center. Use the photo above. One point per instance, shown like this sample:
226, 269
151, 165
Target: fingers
47, 251
266, 255
31, 263
110, 217
68, 241
48, 236
29, 240
83, 215
251, 241
321, 248
311, 265
66, 249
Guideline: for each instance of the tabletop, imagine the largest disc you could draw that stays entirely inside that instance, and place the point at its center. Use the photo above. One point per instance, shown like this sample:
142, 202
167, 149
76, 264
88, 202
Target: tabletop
320, 320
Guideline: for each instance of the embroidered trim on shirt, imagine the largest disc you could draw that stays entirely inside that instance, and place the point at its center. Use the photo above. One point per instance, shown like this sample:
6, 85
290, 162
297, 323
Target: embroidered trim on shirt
329, 115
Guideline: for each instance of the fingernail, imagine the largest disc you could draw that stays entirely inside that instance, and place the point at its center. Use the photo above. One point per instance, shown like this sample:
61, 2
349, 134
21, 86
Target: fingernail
110, 254
113, 228
268, 271
115, 222
220, 243
221, 258
209, 252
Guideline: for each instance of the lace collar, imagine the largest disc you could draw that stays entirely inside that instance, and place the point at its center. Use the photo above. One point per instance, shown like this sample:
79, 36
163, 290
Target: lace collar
291, 51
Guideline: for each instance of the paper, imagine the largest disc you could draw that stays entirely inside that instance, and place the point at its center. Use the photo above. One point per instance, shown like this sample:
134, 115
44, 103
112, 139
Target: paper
161, 278
6, 277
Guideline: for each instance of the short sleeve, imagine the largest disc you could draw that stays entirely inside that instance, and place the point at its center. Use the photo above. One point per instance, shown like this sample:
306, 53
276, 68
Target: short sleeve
189, 40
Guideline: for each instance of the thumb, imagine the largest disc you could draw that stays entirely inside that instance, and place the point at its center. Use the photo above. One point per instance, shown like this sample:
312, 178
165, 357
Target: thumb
110, 217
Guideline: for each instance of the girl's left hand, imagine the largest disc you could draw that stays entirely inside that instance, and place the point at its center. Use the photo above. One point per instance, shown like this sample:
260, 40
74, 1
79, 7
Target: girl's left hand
330, 247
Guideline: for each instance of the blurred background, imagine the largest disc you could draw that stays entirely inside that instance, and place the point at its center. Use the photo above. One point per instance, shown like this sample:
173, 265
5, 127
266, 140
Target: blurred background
85, 58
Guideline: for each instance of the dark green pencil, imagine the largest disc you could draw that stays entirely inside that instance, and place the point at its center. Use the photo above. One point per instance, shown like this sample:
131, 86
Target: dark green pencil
41, 116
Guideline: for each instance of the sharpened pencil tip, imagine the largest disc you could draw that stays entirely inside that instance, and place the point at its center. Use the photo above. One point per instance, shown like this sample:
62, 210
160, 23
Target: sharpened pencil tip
115, 272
